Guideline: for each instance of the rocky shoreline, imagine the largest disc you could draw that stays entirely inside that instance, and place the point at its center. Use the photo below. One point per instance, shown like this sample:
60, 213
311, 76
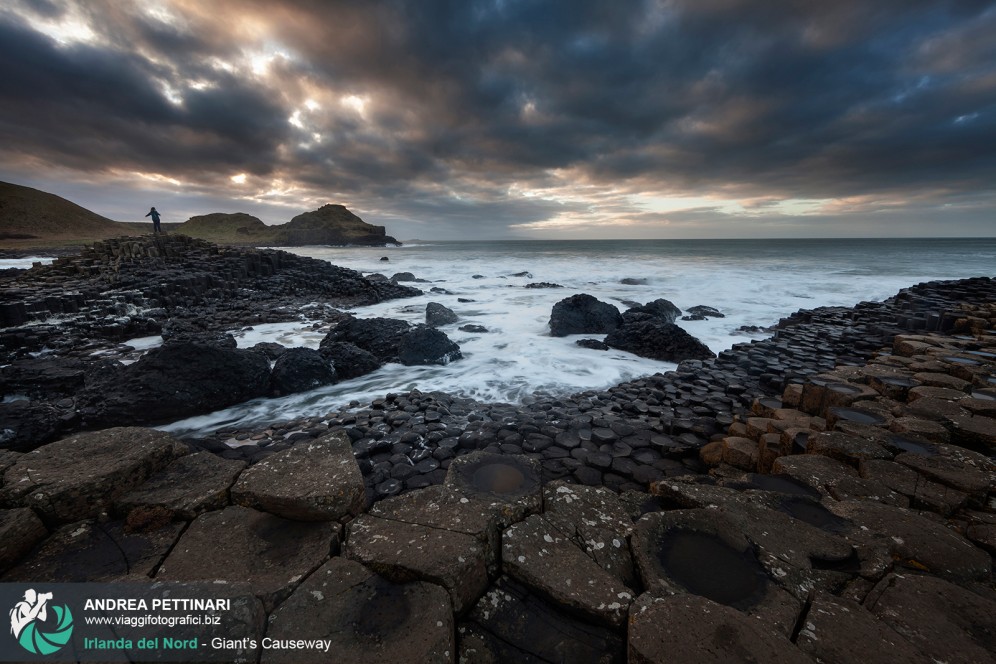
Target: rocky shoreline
826, 494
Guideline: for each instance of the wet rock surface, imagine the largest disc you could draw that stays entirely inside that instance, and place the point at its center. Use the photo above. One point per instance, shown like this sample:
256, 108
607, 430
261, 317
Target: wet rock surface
754, 497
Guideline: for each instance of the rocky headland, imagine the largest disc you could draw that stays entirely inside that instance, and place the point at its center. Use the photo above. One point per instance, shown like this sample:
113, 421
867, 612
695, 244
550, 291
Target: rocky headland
826, 494
31, 219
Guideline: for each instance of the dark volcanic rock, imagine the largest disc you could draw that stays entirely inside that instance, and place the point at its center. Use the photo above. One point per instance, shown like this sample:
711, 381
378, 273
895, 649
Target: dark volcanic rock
173, 381
28, 424
477, 329
379, 336
299, 370
648, 336
426, 345
593, 344
583, 314
701, 312
436, 315
659, 308
348, 360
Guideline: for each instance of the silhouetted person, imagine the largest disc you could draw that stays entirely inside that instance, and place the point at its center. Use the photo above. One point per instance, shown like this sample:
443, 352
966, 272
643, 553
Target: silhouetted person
155, 220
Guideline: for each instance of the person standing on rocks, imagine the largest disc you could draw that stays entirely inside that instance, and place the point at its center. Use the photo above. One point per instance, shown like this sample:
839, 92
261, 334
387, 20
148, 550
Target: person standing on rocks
155, 220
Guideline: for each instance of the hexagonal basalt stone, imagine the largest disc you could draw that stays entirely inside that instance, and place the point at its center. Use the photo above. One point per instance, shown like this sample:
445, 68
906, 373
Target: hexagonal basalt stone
403, 552
241, 544
688, 628
597, 521
77, 477
445, 508
317, 480
368, 619
537, 554
96, 552
511, 482
845, 448
190, 485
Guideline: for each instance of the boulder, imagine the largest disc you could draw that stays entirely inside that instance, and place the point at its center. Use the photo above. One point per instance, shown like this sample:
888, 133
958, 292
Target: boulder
476, 329
378, 336
300, 370
436, 315
27, 425
426, 345
368, 619
174, 381
403, 276
241, 544
701, 312
190, 485
592, 344
79, 476
660, 308
583, 314
317, 480
651, 337
348, 360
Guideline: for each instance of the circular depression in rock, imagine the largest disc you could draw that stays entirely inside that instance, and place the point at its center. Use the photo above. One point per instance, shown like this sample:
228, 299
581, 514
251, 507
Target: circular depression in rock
858, 416
811, 512
782, 484
985, 395
899, 381
913, 446
502, 476
706, 565
980, 353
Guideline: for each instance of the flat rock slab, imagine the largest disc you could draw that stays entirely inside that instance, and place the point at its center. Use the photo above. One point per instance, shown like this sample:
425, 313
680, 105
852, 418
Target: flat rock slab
597, 521
689, 628
7, 459
842, 631
445, 508
508, 481
914, 541
317, 480
20, 530
942, 620
404, 552
367, 619
922, 492
189, 486
537, 553
88, 551
952, 472
511, 624
813, 470
76, 477
842, 447
242, 544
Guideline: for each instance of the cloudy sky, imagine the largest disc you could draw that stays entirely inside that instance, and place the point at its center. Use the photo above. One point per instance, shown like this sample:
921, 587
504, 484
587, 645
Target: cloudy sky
513, 118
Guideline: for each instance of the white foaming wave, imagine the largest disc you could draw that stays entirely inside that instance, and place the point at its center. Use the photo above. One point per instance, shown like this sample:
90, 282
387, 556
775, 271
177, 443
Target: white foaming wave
517, 358
24, 263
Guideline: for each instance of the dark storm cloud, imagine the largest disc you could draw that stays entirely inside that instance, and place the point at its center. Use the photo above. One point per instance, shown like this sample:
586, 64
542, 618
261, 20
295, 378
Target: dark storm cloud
455, 104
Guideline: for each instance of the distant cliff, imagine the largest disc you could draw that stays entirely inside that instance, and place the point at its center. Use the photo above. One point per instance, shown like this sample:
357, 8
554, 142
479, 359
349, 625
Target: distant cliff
30, 216
329, 224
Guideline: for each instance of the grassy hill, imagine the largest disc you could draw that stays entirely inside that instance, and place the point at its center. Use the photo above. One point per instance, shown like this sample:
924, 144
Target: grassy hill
29, 217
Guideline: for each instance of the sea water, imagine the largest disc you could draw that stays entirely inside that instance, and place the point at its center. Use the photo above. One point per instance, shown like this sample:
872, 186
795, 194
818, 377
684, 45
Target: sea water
752, 282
